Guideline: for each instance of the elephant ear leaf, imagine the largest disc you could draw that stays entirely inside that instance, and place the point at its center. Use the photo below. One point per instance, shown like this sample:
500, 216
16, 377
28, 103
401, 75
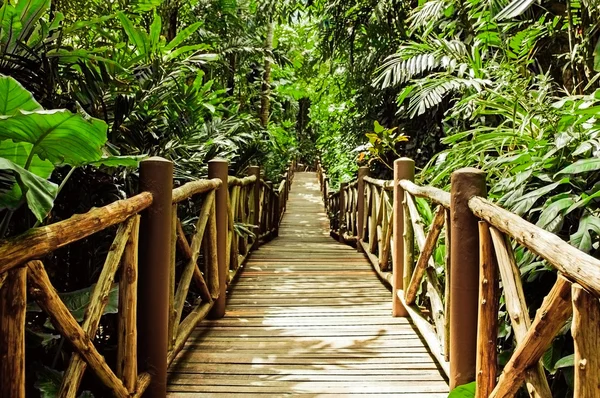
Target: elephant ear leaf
60, 136
39, 192
15, 97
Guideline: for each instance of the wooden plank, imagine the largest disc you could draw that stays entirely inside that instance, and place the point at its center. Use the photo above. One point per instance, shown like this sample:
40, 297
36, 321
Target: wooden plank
306, 316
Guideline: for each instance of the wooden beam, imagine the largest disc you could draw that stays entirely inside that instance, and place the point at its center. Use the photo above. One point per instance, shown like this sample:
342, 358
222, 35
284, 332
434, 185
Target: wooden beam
38, 242
572, 262
487, 328
550, 318
514, 296
60, 316
98, 300
426, 246
13, 305
586, 337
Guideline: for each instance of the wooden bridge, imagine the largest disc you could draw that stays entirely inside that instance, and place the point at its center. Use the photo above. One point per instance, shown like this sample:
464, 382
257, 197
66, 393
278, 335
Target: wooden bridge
257, 299
307, 316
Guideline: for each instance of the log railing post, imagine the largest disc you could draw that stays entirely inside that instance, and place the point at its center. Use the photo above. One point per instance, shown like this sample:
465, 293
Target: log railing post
360, 207
464, 278
218, 168
156, 177
13, 304
487, 329
586, 338
342, 212
255, 220
404, 169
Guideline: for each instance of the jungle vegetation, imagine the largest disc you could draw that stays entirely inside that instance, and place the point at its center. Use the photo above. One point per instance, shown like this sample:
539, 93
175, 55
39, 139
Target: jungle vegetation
510, 86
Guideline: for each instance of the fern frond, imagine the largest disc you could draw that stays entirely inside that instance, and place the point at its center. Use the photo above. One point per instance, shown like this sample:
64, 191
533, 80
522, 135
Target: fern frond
430, 91
427, 14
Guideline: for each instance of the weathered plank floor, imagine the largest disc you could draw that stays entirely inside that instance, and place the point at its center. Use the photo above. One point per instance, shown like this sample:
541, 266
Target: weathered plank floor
308, 317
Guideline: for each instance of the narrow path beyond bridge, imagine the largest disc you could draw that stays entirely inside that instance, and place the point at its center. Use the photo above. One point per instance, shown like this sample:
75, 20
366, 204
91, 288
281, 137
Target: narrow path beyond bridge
308, 317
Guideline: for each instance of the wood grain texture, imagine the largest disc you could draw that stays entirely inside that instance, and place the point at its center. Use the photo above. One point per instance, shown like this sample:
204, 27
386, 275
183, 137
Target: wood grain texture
307, 316
13, 304
586, 336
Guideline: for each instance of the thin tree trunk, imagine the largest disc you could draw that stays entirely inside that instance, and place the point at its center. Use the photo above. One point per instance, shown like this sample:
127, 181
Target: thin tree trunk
266, 84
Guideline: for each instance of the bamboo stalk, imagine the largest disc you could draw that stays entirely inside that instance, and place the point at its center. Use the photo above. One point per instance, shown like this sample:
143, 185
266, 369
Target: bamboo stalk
47, 298
487, 328
426, 246
586, 337
127, 344
186, 276
38, 242
537, 385
550, 318
13, 305
98, 300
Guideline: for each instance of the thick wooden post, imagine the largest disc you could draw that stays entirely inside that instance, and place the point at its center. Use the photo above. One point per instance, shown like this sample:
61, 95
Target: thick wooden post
342, 215
255, 171
218, 168
464, 278
325, 193
586, 336
360, 205
404, 169
156, 177
13, 303
487, 329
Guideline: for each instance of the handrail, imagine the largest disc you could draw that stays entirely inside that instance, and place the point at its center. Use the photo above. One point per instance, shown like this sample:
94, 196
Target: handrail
570, 261
227, 205
475, 262
436, 195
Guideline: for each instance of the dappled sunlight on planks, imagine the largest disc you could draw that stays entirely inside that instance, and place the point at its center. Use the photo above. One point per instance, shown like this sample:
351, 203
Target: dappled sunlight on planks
308, 317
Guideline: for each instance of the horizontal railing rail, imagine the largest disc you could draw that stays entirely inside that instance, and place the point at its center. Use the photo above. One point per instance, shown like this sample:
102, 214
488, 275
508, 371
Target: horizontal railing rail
455, 305
234, 216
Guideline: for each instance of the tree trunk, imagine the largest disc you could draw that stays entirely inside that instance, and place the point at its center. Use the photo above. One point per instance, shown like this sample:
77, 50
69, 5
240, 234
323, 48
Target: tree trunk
266, 84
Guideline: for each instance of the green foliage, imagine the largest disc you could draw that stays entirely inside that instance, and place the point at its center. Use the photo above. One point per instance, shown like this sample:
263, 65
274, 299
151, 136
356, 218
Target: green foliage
464, 391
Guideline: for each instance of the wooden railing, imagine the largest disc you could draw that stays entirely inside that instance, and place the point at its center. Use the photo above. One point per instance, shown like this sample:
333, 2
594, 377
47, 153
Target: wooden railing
455, 305
234, 216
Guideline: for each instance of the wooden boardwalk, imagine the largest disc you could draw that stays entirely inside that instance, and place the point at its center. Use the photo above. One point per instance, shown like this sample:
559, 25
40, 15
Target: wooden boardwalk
308, 317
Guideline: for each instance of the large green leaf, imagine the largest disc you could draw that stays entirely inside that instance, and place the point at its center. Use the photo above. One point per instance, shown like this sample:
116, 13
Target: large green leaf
582, 239
77, 302
57, 135
183, 35
15, 97
581, 166
464, 391
118, 161
18, 153
138, 37
30, 12
40, 193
